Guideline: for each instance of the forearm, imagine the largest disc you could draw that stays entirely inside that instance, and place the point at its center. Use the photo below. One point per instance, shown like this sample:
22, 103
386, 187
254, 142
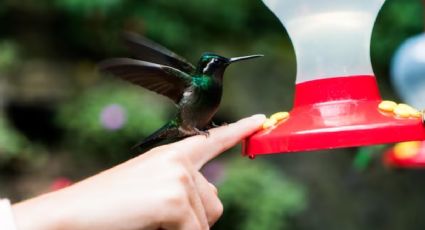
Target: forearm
161, 189
42, 213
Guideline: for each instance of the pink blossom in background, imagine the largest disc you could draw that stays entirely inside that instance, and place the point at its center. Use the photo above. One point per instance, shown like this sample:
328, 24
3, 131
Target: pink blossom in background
113, 117
60, 183
214, 171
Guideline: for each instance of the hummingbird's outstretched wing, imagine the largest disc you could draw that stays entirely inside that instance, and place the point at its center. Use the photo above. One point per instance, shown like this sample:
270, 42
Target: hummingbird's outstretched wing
161, 79
148, 50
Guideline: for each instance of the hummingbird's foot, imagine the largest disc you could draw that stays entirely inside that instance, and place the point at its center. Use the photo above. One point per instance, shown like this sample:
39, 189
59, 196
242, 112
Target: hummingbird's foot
214, 125
193, 132
200, 132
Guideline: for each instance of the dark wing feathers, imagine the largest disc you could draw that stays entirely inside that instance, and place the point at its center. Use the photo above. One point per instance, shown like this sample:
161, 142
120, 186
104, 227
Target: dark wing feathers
148, 50
161, 79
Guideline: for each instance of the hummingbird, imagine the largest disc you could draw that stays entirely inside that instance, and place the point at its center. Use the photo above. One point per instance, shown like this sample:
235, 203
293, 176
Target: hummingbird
196, 91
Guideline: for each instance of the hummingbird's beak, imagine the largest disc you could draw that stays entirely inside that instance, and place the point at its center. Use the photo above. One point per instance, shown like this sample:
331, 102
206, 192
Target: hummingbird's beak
235, 59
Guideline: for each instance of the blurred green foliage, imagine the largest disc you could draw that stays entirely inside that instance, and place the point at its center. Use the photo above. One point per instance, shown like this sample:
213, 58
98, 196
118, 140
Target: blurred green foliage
82, 120
87, 7
12, 143
258, 197
70, 36
366, 155
9, 56
397, 21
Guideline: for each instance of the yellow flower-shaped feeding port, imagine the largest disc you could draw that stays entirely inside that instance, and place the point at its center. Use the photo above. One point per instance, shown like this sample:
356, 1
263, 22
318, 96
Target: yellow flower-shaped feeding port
387, 106
407, 150
399, 110
280, 116
274, 119
402, 111
269, 123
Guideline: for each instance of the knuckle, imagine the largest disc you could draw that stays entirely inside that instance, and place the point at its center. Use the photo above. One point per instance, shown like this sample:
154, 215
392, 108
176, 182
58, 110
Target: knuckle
179, 173
178, 199
184, 177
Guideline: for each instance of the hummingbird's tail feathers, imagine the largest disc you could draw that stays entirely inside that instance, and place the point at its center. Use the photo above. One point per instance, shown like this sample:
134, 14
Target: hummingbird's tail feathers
168, 130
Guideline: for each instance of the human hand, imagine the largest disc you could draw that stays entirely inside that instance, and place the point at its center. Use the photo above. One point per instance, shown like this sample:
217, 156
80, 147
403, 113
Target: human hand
161, 189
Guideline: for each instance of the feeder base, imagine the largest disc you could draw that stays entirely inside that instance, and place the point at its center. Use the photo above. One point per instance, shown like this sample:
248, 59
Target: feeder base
344, 118
406, 155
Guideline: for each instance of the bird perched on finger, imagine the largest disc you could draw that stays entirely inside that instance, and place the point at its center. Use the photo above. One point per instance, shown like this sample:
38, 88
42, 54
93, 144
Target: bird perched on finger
196, 91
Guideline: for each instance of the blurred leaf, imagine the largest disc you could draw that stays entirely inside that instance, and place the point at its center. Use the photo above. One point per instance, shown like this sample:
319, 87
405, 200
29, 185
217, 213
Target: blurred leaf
82, 119
88, 7
12, 143
365, 156
9, 54
397, 21
257, 196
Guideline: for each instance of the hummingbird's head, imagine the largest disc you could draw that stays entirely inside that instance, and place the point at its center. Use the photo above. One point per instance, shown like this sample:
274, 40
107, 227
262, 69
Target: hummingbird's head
211, 63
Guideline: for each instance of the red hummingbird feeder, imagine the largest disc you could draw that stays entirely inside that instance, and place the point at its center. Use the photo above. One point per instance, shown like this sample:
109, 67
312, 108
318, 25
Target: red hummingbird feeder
406, 155
337, 101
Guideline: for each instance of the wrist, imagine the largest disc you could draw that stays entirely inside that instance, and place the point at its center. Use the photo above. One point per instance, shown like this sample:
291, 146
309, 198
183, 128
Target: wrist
40, 213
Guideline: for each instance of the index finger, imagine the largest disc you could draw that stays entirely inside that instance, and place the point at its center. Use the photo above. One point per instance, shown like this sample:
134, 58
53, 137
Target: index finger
201, 149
